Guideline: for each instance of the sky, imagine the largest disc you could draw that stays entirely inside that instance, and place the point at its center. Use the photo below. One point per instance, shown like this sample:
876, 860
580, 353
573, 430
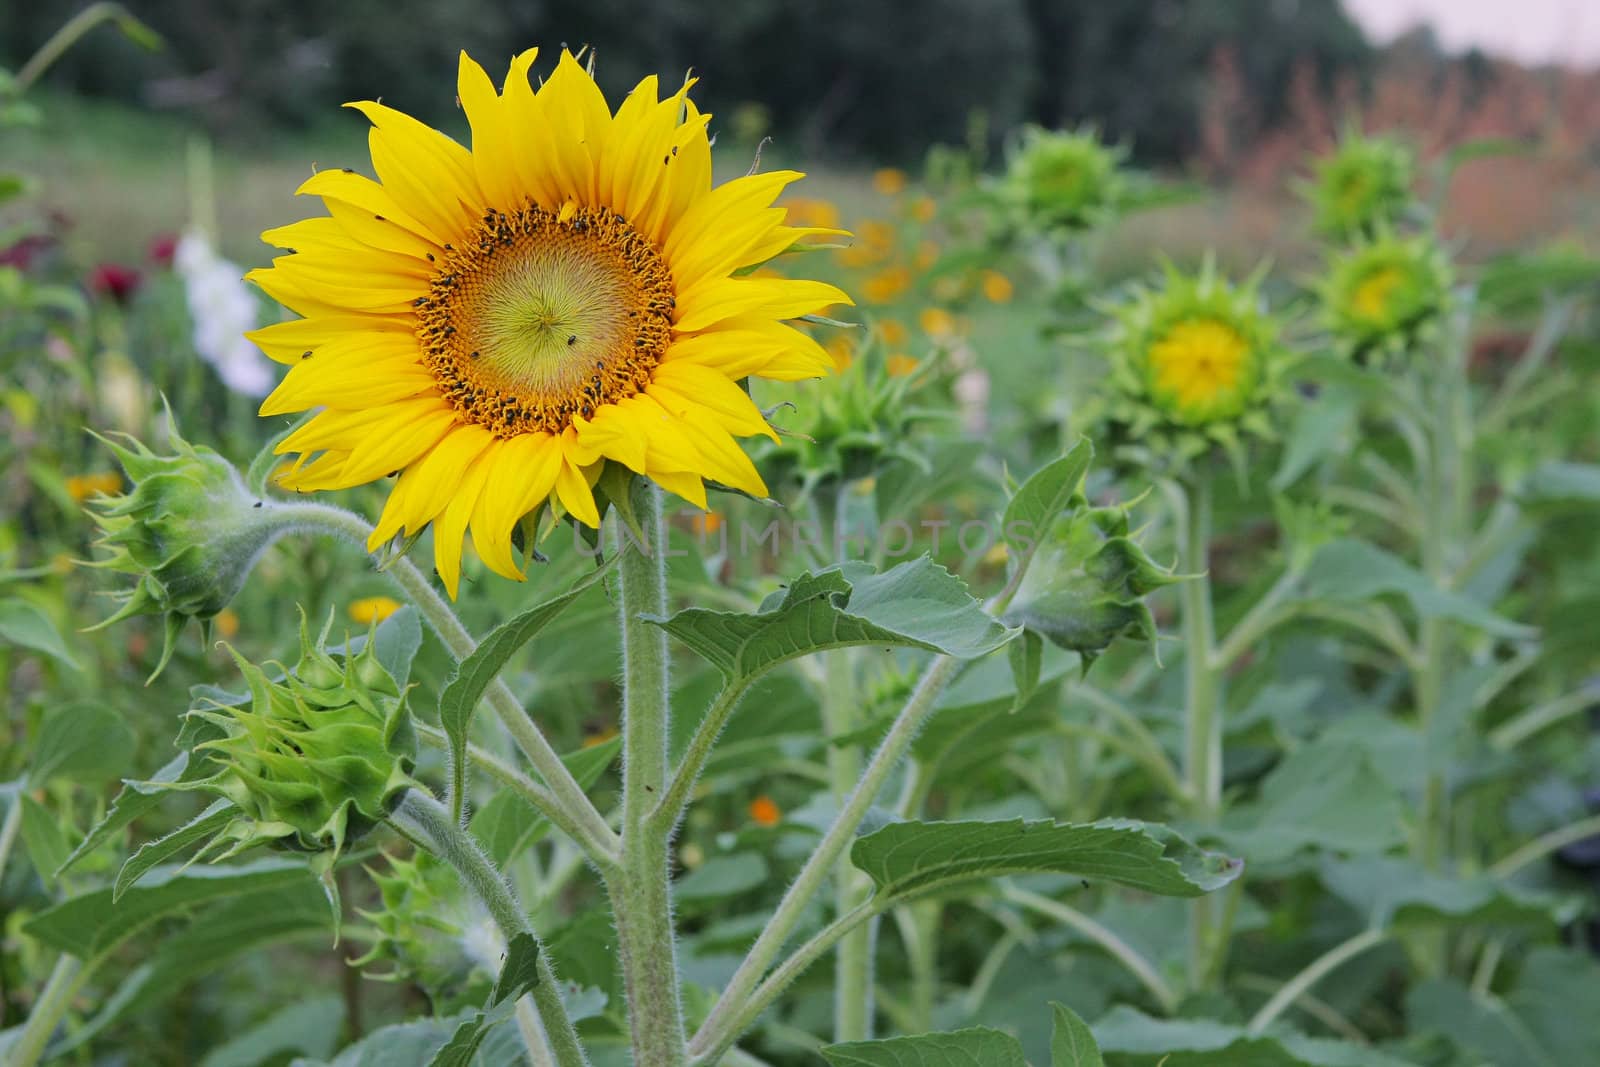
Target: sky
1533, 31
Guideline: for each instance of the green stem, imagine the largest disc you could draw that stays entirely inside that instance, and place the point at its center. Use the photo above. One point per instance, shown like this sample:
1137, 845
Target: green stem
1202, 717
1545, 844
641, 891
1510, 734
676, 796
422, 816
853, 1009
70, 33
566, 805
918, 923
1266, 613
722, 1027
65, 980
9, 828
1120, 950
1313, 973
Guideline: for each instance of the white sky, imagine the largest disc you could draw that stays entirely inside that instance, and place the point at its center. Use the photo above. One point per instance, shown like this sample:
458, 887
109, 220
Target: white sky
1536, 31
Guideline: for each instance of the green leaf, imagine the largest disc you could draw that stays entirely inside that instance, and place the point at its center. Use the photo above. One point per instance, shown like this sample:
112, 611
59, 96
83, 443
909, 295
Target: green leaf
90, 924
135, 799
1071, 1043
508, 825
1034, 507
1325, 795
41, 834
978, 1046
474, 674
1136, 1038
307, 1026
917, 604
1347, 570
1026, 654
81, 742
722, 876
1319, 430
24, 625
1389, 891
190, 834
1558, 486
519, 974
915, 857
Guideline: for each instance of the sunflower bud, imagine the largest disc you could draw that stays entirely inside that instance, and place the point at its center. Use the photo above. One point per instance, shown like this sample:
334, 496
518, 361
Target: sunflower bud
188, 530
1059, 181
430, 933
315, 759
1385, 294
1087, 583
1195, 363
1363, 186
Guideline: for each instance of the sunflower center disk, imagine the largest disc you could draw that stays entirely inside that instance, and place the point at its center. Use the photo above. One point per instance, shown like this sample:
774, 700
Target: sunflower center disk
1198, 360
537, 319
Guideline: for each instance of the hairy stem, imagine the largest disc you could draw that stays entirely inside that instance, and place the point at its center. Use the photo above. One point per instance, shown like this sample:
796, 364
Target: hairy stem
565, 804
65, 979
641, 891
1203, 719
1101, 935
853, 1008
1313, 973
722, 1026
425, 818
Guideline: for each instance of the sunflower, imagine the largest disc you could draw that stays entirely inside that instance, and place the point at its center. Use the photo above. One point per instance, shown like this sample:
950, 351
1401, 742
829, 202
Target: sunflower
495, 324
1364, 185
1385, 294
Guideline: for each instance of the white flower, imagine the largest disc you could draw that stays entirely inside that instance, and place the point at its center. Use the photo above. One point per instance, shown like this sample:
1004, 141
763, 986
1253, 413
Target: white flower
222, 308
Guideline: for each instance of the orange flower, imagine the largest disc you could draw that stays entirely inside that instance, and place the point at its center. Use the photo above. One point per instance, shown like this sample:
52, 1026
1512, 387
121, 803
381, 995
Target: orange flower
937, 322
900, 365
893, 332
764, 811
706, 524
923, 208
83, 486
889, 181
887, 285
997, 288
594, 740
227, 623
843, 351
809, 211
927, 255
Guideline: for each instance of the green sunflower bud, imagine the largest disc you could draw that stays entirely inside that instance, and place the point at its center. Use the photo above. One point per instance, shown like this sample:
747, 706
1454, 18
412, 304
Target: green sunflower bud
1385, 294
1363, 186
188, 531
1195, 363
1088, 581
315, 759
1064, 181
430, 933
851, 425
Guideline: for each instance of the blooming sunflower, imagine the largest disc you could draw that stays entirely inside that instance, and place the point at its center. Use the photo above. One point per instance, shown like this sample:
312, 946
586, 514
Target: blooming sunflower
1195, 363
495, 324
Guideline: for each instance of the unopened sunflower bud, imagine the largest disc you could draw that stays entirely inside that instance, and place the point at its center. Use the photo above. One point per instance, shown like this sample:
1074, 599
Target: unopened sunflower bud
1087, 583
1385, 295
1064, 181
430, 933
188, 530
1365, 184
314, 760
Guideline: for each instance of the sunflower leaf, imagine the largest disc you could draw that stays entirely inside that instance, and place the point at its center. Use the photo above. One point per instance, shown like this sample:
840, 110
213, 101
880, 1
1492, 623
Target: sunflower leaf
477, 672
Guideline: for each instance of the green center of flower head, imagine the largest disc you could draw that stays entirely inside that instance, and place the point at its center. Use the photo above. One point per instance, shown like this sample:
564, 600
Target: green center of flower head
1371, 298
545, 316
1198, 366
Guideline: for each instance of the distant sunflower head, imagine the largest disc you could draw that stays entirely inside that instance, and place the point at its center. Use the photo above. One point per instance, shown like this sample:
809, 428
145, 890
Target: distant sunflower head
1064, 180
1195, 362
1384, 294
1363, 185
494, 325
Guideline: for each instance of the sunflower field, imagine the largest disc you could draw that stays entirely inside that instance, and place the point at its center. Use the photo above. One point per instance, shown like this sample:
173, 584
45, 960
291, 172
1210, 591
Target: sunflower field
579, 590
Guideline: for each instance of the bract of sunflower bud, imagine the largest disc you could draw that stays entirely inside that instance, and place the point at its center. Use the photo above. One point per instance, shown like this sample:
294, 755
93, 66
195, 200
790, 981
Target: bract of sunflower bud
850, 426
1063, 181
1195, 364
1364, 185
430, 933
188, 531
315, 759
1384, 294
1087, 584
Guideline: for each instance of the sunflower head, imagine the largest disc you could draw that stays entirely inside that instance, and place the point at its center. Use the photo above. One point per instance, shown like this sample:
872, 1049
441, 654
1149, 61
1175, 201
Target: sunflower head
1365, 184
1195, 362
1063, 181
493, 325
313, 761
427, 932
1383, 294
187, 529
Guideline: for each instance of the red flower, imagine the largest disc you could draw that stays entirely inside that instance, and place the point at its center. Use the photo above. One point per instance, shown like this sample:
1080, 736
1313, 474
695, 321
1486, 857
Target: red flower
22, 253
114, 280
162, 247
